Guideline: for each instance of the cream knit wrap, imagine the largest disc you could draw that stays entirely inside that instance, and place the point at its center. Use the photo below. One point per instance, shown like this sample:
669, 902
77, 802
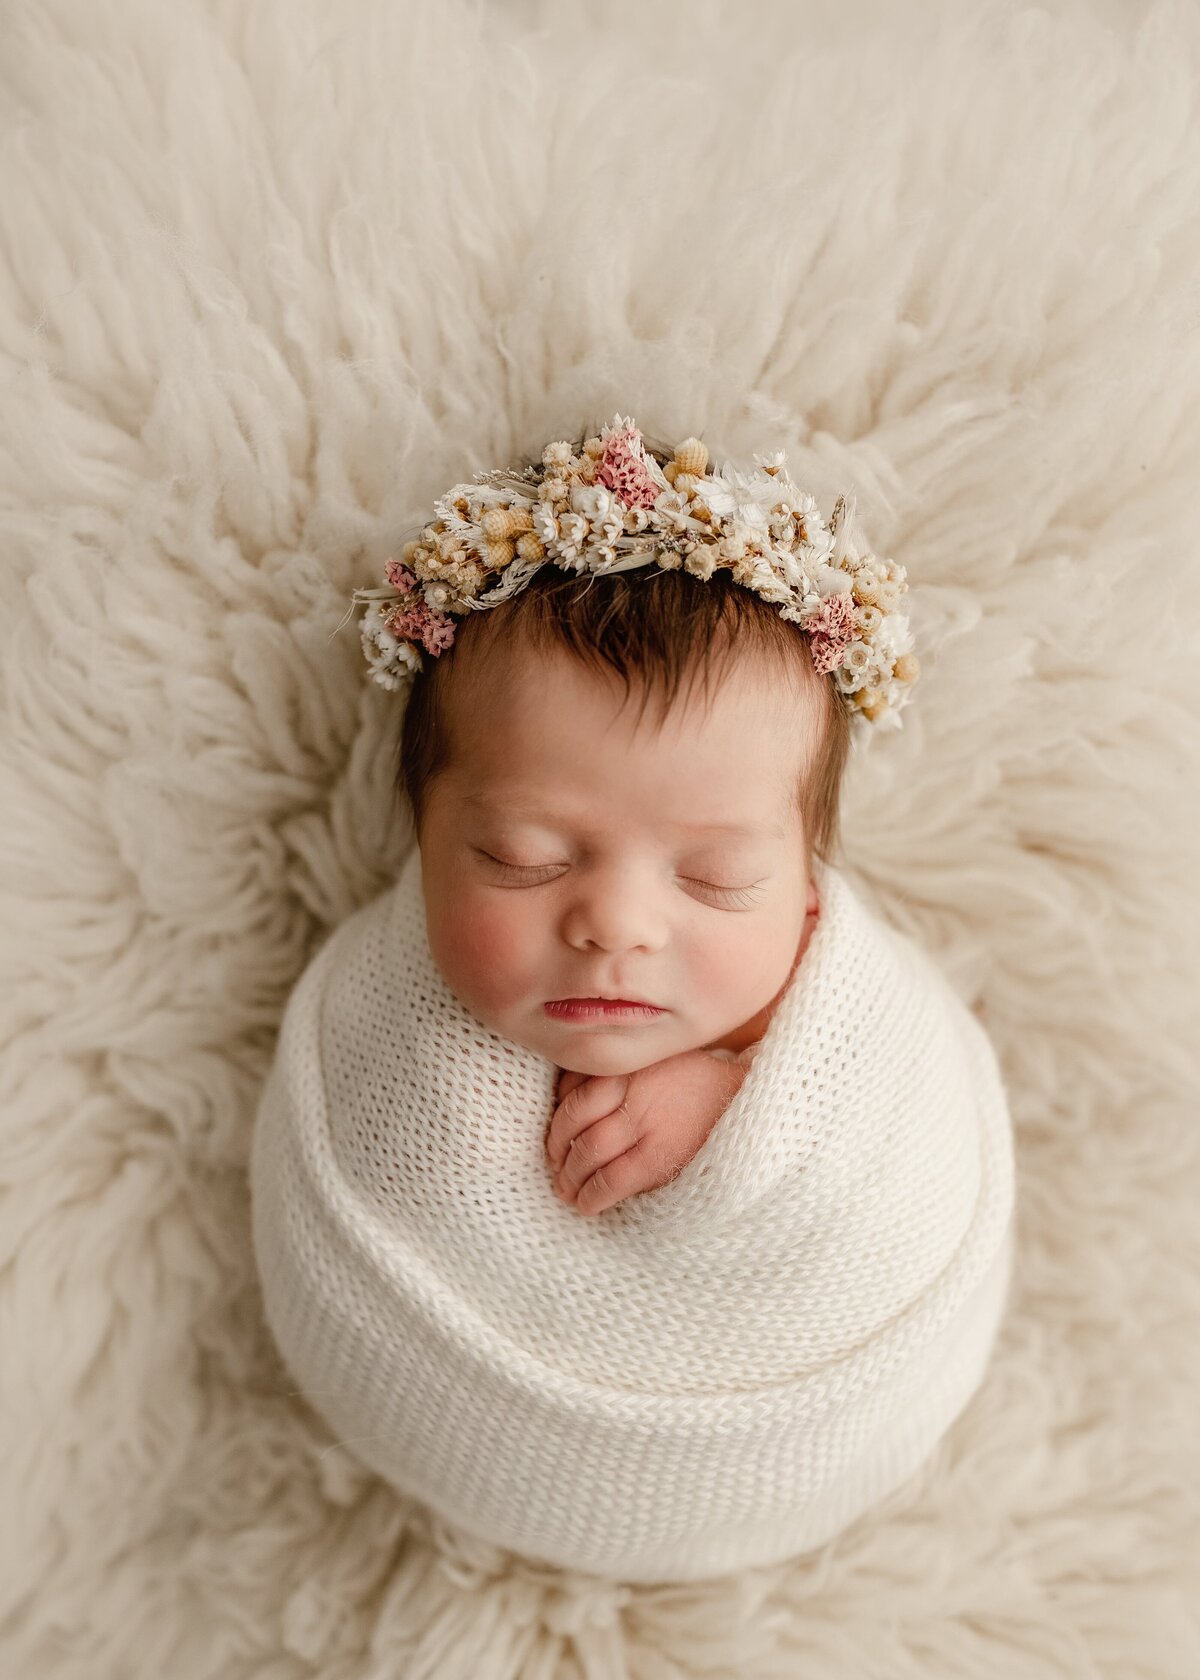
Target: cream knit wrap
718, 1373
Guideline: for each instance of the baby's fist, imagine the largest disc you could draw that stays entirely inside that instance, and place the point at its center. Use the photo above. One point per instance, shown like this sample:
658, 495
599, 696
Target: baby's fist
616, 1135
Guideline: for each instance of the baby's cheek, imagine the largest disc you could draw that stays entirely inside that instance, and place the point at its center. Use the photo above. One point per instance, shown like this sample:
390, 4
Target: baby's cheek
738, 970
483, 955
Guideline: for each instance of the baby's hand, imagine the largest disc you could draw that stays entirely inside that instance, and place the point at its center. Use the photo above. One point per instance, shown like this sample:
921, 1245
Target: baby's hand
616, 1135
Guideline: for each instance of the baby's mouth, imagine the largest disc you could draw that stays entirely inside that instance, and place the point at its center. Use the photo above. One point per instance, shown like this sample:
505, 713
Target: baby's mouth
577, 1008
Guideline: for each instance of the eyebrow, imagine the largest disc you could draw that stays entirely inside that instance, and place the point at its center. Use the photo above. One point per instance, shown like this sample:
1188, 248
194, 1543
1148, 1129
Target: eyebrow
530, 813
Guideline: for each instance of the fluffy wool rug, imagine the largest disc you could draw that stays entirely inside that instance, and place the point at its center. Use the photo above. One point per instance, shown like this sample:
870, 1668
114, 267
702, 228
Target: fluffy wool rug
272, 277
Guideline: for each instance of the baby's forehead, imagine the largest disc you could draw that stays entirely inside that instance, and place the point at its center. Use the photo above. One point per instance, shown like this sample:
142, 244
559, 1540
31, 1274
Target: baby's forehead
554, 722
497, 652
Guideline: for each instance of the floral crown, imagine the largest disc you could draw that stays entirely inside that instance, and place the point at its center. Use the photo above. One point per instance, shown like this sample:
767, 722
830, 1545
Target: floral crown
611, 507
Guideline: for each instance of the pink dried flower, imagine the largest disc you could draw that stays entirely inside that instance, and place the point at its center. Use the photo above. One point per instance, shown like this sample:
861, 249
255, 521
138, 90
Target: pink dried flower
623, 470
831, 630
422, 623
404, 623
439, 632
399, 576
415, 620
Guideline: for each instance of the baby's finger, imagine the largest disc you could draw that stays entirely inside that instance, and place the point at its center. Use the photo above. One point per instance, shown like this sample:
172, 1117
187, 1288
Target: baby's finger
593, 1149
628, 1175
588, 1102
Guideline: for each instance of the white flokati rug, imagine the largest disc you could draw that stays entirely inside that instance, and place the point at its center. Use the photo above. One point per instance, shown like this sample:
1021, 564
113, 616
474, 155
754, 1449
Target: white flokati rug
273, 276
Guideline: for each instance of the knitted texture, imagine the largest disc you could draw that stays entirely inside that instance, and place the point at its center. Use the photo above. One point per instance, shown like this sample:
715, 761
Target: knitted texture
720, 1372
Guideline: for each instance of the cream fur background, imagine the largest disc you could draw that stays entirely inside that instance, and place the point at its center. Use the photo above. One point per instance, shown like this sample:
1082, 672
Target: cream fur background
273, 275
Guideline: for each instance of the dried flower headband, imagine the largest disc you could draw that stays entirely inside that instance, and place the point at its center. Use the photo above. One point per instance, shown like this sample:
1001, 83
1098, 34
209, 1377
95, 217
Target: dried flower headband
611, 507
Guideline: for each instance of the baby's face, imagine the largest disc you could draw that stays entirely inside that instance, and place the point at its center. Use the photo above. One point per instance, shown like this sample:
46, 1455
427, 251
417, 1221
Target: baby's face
569, 853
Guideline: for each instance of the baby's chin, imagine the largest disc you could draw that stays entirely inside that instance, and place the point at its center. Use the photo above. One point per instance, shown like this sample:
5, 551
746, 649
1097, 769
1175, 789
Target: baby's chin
595, 1067
607, 1052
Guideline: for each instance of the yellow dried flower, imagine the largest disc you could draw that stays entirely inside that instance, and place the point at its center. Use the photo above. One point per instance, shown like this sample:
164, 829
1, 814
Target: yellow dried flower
691, 456
500, 522
531, 547
500, 554
907, 668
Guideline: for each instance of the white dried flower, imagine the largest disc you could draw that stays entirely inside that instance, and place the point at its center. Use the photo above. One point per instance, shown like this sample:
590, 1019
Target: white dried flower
673, 511
831, 580
573, 531
893, 635
742, 499
557, 457
857, 659
391, 662
545, 524
790, 563
701, 561
594, 501
602, 510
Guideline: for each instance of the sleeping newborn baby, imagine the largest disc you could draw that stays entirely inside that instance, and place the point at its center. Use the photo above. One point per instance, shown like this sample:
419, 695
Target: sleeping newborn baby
625, 1189
626, 897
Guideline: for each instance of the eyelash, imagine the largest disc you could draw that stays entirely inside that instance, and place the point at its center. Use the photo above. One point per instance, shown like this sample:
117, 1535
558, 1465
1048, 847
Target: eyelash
740, 895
